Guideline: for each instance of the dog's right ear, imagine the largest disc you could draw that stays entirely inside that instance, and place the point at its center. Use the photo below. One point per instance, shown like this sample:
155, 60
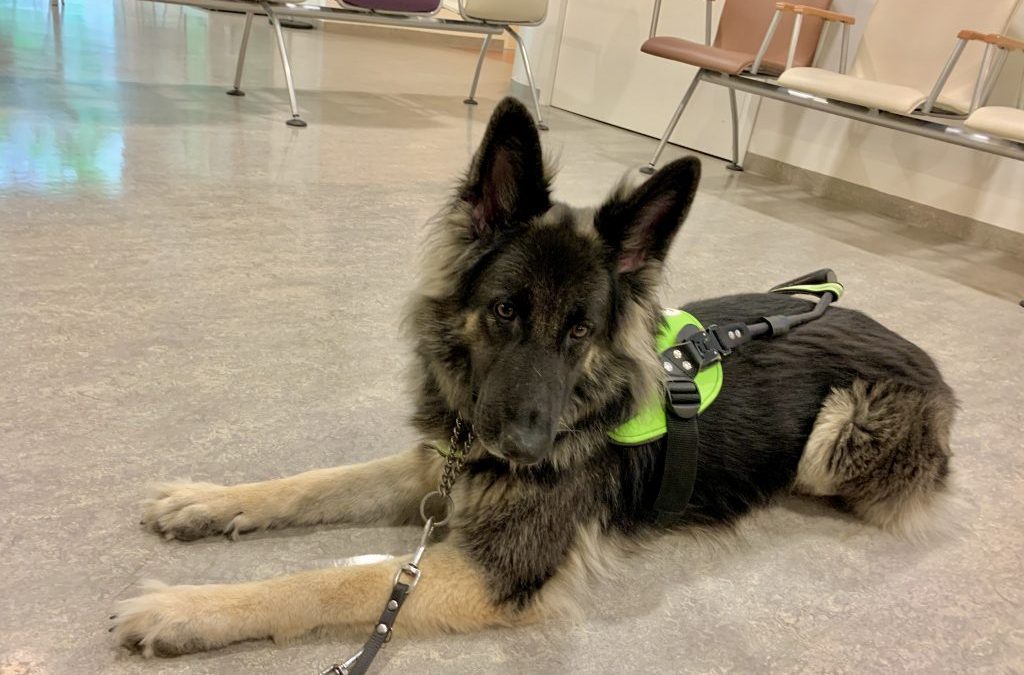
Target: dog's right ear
639, 225
506, 184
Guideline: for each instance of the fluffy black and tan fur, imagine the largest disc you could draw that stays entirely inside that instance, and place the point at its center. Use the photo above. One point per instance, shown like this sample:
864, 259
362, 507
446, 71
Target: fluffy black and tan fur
535, 324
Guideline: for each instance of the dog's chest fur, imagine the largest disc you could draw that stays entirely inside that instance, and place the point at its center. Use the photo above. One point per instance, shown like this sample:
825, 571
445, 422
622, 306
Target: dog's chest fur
521, 524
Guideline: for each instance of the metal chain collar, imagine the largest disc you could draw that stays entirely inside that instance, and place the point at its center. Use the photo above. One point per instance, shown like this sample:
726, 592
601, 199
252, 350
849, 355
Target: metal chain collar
408, 575
454, 459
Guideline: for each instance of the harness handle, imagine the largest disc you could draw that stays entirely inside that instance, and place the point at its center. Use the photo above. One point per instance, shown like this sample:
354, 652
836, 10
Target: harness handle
822, 283
818, 277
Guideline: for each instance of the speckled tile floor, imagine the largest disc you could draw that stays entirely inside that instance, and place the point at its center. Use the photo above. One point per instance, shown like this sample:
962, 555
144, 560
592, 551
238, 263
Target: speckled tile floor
188, 288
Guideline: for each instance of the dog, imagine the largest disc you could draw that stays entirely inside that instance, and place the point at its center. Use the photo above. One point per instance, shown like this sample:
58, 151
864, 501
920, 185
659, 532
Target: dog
534, 327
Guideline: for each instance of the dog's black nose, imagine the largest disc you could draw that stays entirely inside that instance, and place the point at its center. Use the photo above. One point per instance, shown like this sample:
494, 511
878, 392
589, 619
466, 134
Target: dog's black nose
526, 444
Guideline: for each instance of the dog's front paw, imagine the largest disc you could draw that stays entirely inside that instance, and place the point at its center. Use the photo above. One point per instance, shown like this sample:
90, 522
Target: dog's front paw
188, 511
171, 620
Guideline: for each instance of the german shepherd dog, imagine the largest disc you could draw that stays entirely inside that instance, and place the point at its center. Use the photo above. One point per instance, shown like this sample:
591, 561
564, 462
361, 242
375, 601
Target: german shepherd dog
535, 324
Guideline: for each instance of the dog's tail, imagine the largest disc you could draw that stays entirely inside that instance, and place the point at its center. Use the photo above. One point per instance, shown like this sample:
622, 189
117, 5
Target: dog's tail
883, 448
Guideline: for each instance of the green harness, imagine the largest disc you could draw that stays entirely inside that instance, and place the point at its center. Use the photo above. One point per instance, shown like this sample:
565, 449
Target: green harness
650, 423
691, 356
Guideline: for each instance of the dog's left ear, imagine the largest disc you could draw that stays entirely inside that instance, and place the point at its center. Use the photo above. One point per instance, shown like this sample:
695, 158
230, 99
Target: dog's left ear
639, 225
506, 184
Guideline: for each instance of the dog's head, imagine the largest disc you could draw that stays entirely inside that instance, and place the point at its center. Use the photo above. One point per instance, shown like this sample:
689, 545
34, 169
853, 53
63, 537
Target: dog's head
537, 320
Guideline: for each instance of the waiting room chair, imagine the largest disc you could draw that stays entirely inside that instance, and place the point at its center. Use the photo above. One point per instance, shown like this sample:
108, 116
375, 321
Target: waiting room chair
903, 63
480, 17
1001, 121
506, 13
756, 37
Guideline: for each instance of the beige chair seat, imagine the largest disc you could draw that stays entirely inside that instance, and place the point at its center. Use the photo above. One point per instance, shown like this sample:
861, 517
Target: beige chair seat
505, 11
870, 94
903, 49
704, 56
998, 121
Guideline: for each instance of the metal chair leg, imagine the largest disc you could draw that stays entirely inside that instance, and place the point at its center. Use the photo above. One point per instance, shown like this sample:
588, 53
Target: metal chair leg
529, 76
476, 74
734, 165
241, 57
649, 169
296, 120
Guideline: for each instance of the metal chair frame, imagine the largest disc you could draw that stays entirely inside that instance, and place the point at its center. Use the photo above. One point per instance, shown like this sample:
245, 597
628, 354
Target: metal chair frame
921, 123
347, 14
704, 75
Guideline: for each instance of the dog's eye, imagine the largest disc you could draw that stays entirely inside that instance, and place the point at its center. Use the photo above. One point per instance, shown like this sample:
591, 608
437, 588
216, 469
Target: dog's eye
505, 310
579, 331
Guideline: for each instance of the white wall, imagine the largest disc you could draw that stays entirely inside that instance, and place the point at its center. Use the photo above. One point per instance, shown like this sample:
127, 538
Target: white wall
947, 177
587, 60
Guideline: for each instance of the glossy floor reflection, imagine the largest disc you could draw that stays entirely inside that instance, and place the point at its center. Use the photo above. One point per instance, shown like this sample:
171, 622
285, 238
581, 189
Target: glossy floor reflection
189, 288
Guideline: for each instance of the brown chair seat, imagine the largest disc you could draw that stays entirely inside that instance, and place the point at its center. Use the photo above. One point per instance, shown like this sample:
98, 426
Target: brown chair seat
742, 29
701, 55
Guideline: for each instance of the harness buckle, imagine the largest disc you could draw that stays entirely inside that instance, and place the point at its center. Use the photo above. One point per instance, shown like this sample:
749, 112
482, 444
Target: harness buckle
681, 366
683, 397
705, 347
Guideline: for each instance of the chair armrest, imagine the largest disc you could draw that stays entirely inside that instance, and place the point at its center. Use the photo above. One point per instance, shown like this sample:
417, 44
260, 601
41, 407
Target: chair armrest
814, 11
1004, 42
995, 39
967, 34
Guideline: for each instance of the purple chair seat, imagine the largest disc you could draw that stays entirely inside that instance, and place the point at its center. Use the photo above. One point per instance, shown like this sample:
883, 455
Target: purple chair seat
402, 6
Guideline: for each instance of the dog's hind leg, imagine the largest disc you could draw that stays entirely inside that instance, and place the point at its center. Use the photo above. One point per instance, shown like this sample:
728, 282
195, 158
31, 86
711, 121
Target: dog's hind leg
384, 491
452, 597
883, 447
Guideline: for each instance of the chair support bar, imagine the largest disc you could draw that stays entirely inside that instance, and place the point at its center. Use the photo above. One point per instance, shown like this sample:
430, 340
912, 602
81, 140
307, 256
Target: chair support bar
844, 48
296, 119
794, 40
944, 75
707, 22
768, 36
476, 73
912, 125
997, 66
655, 15
237, 90
979, 84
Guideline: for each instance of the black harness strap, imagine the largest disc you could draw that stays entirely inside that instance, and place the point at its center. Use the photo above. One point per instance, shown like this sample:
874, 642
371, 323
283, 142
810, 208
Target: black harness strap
694, 350
680, 473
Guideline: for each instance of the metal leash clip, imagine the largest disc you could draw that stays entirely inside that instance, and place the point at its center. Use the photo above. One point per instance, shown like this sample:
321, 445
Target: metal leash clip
408, 575
411, 569
342, 668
